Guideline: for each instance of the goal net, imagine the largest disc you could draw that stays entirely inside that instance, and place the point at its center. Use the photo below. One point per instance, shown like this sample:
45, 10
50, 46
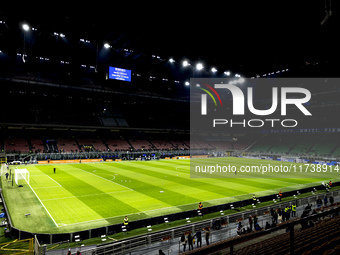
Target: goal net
21, 174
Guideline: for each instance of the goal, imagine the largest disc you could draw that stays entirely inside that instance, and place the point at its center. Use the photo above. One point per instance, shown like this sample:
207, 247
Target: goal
21, 174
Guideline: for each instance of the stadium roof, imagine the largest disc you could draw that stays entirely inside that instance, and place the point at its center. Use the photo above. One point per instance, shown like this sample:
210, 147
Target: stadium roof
241, 36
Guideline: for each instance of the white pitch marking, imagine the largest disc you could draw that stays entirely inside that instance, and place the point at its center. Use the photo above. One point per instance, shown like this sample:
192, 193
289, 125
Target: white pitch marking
43, 205
54, 181
105, 179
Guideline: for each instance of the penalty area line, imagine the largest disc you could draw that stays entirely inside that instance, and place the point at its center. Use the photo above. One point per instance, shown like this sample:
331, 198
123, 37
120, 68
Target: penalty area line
43, 205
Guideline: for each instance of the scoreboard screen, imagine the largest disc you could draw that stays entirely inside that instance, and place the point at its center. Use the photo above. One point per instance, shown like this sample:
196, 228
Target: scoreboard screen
121, 74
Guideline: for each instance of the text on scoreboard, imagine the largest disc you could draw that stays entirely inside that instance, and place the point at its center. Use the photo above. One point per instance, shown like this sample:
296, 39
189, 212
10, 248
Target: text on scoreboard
119, 74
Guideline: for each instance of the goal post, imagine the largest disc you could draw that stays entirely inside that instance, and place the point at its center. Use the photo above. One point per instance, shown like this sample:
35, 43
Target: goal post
2, 170
21, 174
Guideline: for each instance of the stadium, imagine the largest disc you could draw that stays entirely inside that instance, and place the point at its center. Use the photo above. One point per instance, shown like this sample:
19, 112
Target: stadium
139, 134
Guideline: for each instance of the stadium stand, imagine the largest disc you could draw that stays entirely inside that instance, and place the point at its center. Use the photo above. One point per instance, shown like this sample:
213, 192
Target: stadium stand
320, 236
118, 145
16, 145
92, 145
67, 145
140, 145
310, 145
162, 145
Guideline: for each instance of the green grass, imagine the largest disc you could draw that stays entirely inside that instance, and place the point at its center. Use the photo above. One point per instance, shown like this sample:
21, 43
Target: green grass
84, 196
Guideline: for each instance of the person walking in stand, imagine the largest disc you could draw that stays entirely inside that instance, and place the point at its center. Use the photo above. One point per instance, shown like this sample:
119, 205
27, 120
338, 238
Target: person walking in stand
207, 235
190, 241
183, 242
275, 217
255, 221
280, 195
198, 236
250, 224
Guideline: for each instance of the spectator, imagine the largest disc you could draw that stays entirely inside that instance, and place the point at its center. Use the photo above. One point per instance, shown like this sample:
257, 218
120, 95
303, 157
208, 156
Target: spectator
190, 241
318, 202
257, 227
207, 235
283, 212
267, 225
275, 216
198, 236
331, 200
250, 223
239, 224
183, 241
238, 230
279, 213
218, 224
255, 221
325, 201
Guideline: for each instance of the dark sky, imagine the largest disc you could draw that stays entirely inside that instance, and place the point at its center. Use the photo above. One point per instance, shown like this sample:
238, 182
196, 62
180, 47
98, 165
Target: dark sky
248, 35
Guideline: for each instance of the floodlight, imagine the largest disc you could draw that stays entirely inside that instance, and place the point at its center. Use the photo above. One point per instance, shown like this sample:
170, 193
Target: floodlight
227, 73
214, 70
199, 66
25, 27
187, 83
185, 63
171, 60
106, 45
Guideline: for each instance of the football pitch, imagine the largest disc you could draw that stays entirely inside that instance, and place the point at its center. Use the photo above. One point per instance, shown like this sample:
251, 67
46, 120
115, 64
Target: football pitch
84, 196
